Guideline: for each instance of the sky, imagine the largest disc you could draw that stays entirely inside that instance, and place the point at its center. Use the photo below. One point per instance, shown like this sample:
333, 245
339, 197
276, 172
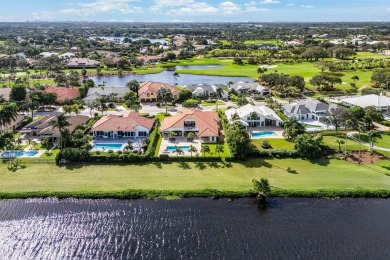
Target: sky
195, 10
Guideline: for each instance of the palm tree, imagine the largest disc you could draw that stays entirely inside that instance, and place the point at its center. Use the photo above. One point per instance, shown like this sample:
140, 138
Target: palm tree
45, 142
219, 149
175, 76
348, 125
60, 122
190, 135
8, 113
178, 151
133, 85
166, 97
218, 95
372, 136
360, 129
263, 188
340, 142
102, 103
261, 71
129, 146
192, 149
205, 149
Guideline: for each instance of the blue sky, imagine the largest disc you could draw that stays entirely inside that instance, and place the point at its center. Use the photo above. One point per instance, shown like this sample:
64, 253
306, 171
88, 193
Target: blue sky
195, 10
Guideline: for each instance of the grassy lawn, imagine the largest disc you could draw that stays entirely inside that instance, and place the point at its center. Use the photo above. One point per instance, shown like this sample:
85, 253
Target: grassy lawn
286, 174
351, 145
276, 143
262, 42
209, 104
225, 153
384, 142
50, 156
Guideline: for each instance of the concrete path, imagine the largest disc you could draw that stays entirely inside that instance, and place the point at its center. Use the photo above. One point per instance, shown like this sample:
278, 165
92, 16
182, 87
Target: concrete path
378, 148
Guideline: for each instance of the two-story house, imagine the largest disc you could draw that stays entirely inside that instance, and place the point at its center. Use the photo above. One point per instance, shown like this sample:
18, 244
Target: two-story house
149, 91
308, 110
254, 116
204, 125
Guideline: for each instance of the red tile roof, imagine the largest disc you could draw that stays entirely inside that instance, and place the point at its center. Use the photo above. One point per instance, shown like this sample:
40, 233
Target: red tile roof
153, 87
206, 122
122, 123
63, 93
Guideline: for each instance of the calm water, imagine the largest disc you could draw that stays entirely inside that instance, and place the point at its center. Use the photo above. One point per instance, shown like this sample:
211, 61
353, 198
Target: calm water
167, 77
198, 67
195, 229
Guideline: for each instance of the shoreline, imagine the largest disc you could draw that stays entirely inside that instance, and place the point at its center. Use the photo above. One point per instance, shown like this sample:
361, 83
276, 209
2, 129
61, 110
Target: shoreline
206, 193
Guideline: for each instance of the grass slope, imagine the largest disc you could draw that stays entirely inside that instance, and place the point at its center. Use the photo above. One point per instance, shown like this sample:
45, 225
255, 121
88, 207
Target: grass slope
289, 174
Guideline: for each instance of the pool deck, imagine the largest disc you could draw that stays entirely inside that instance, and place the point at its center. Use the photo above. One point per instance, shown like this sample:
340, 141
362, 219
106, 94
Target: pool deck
179, 142
123, 141
277, 130
39, 154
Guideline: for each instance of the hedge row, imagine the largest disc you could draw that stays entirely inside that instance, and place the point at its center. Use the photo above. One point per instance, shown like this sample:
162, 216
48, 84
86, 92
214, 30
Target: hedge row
278, 153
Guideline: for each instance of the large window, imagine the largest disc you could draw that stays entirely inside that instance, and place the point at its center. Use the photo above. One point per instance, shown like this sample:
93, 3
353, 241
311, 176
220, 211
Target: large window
189, 123
142, 134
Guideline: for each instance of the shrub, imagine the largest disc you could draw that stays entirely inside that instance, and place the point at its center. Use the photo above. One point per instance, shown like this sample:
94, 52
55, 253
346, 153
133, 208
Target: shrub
190, 103
119, 152
110, 151
265, 144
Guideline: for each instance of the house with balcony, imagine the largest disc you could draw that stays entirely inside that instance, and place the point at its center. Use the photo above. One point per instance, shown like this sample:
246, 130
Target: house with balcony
193, 124
149, 91
308, 110
254, 116
128, 125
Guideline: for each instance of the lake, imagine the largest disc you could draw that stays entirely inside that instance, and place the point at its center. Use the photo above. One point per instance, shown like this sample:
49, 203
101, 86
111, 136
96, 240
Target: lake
195, 228
167, 77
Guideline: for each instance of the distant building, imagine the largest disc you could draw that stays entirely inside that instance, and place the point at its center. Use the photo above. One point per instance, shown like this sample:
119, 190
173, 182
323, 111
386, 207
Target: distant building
204, 90
254, 87
13, 125
381, 103
96, 93
82, 63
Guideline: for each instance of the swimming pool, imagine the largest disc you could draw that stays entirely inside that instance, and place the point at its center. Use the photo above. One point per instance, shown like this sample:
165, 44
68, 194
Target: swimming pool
173, 148
8, 154
258, 135
106, 147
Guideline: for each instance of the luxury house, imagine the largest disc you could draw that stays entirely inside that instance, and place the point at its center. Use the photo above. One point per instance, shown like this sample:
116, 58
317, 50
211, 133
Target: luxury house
204, 90
96, 93
381, 103
254, 116
63, 93
308, 110
82, 63
148, 91
13, 125
43, 128
204, 125
254, 87
128, 125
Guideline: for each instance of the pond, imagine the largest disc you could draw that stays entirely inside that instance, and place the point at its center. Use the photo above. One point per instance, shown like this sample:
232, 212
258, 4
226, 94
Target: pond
195, 228
167, 78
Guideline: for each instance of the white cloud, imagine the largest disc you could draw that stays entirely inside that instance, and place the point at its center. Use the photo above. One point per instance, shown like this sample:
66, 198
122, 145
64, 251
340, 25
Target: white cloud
163, 3
229, 7
265, 2
307, 6
290, 5
196, 8
91, 8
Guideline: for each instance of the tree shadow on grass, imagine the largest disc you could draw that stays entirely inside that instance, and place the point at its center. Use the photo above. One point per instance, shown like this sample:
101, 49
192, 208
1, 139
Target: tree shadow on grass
157, 164
214, 165
256, 163
75, 166
323, 161
200, 165
184, 165
227, 165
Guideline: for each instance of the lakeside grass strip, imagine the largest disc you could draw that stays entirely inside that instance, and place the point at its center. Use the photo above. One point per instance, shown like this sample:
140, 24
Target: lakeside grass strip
204, 193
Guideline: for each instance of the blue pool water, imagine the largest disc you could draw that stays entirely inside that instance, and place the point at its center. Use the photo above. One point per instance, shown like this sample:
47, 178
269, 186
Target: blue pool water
173, 148
106, 147
258, 135
7, 154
